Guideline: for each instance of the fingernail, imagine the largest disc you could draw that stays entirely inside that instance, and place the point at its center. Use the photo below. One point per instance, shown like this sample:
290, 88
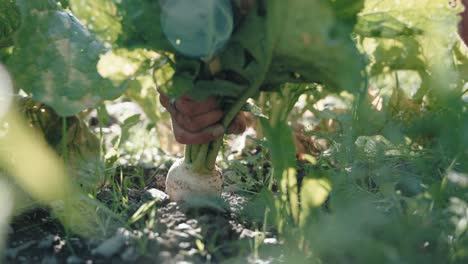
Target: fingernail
217, 131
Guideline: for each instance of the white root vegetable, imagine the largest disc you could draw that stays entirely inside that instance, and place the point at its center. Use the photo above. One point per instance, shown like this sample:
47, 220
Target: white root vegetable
183, 183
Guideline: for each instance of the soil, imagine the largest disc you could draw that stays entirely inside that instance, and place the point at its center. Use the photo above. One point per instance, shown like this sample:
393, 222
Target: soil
197, 232
183, 233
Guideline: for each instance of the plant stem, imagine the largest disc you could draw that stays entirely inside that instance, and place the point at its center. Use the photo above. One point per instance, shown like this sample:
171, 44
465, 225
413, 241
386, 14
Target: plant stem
64, 140
207, 153
187, 154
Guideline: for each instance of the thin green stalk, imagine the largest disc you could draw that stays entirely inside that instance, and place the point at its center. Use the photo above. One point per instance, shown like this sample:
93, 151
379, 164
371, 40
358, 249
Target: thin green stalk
206, 155
231, 114
194, 152
102, 145
199, 163
203, 157
64, 140
188, 154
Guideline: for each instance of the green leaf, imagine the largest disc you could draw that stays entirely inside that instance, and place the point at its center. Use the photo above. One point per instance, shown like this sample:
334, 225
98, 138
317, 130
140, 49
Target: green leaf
295, 46
133, 69
414, 35
346, 10
283, 159
9, 22
100, 16
314, 192
141, 25
204, 89
384, 25
316, 46
182, 83
59, 69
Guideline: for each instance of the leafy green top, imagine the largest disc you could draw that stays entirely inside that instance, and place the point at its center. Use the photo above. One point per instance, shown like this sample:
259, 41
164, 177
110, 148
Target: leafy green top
305, 47
9, 21
55, 59
418, 36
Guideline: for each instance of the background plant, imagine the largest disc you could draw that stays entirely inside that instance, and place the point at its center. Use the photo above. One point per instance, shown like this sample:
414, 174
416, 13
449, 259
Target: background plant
391, 187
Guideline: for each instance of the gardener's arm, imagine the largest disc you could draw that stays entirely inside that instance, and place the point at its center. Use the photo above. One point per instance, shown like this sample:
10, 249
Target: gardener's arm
199, 122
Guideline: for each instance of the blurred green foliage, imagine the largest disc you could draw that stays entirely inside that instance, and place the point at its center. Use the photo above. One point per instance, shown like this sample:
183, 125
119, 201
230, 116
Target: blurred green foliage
391, 187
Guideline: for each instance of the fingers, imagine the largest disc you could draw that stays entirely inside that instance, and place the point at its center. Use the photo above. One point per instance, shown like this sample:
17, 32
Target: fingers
189, 107
198, 123
194, 122
193, 138
238, 125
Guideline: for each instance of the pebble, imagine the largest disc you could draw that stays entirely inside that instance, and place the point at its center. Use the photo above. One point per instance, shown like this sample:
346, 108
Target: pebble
246, 233
178, 234
192, 252
194, 233
183, 226
47, 242
112, 245
74, 260
192, 222
49, 260
270, 241
13, 252
155, 194
185, 245
129, 255
165, 256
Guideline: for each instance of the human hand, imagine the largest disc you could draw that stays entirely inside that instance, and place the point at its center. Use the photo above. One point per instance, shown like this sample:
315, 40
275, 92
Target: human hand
196, 122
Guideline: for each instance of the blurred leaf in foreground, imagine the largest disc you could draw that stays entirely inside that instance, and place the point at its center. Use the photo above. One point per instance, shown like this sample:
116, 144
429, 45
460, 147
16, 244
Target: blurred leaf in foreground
60, 68
99, 16
6, 202
45, 180
9, 22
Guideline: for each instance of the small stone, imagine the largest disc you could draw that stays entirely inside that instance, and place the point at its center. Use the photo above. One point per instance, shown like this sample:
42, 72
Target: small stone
165, 256
178, 234
129, 255
74, 260
183, 226
246, 233
12, 253
192, 252
192, 222
270, 241
196, 233
49, 260
185, 245
112, 245
47, 242
155, 194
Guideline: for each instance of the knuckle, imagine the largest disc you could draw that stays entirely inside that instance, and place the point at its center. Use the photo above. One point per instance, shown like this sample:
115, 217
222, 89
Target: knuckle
187, 123
183, 108
181, 138
205, 138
